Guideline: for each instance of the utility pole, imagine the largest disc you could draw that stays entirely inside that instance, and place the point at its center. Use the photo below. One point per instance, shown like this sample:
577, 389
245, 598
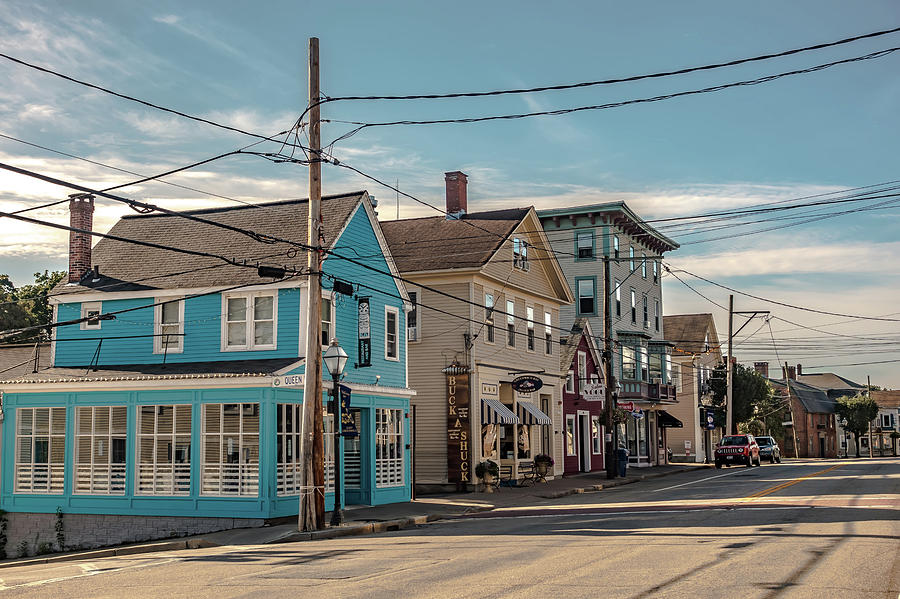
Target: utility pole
312, 480
729, 378
612, 467
869, 396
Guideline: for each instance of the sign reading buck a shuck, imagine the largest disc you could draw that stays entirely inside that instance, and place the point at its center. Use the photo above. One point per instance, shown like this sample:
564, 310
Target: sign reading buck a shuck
458, 428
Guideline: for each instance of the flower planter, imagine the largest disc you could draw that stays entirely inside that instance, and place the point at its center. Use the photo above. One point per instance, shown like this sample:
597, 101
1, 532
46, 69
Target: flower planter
488, 480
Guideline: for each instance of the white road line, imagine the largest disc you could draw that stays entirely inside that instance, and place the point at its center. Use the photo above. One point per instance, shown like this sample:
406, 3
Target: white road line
694, 482
36, 583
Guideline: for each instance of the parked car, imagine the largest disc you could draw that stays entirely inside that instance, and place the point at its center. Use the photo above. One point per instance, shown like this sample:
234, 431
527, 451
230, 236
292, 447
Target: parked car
768, 449
737, 449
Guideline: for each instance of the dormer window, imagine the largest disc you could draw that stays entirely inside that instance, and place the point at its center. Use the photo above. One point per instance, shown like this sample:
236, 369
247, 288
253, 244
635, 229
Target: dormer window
520, 253
250, 321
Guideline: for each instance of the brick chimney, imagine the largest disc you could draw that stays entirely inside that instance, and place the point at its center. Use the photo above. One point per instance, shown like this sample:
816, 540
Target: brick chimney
456, 193
792, 373
762, 368
799, 369
81, 216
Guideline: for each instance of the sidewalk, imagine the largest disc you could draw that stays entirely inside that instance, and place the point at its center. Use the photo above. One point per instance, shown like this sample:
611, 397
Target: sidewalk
373, 519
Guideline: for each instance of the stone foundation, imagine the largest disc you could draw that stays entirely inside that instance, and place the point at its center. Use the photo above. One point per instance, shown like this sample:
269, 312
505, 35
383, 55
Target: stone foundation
89, 531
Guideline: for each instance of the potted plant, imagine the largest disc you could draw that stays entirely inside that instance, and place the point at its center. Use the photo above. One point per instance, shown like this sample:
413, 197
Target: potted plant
487, 471
542, 464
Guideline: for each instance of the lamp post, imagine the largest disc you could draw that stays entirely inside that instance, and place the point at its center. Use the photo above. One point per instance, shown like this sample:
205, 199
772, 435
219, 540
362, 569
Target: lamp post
335, 359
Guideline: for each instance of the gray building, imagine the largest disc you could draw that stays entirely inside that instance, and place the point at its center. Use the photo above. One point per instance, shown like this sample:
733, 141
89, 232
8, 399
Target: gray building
581, 236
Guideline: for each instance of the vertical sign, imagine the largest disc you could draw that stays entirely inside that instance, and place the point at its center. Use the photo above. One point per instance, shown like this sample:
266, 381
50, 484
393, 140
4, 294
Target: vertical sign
348, 424
365, 341
458, 428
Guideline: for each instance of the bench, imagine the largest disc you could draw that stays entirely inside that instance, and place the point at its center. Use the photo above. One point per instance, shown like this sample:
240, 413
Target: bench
527, 473
506, 476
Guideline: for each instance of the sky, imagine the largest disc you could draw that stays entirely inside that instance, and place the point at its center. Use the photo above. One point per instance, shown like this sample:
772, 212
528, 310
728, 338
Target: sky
245, 65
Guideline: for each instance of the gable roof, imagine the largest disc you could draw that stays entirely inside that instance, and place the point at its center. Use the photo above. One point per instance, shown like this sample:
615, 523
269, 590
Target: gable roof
829, 381
813, 399
438, 243
569, 345
129, 267
688, 332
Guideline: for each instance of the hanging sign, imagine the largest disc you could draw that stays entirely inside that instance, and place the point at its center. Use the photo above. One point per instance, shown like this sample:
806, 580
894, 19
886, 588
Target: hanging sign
527, 383
593, 392
637, 413
628, 406
458, 428
365, 340
348, 425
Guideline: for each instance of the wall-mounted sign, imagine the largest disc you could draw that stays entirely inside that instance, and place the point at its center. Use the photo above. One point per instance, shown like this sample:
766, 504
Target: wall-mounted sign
288, 380
458, 428
348, 424
365, 341
593, 392
527, 383
488, 389
628, 406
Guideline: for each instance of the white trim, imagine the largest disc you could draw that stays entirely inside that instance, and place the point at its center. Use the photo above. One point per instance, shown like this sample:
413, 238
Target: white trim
87, 307
96, 296
249, 345
417, 321
55, 317
157, 326
327, 294
574, 420
396, 312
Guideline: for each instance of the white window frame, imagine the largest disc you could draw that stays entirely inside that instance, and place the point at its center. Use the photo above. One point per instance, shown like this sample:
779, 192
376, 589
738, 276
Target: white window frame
548, 333
86, 309
529, 323
510, 322
328, 296
581, 379
389, 470
571, 435
158, 341
618, 298
328, 425
615, 246
243, 475
633, 307
40, 478
570, 382
596, 436
170, 477
588, 237
520, 253
631, 256
644, 265
413, 318
249, 322
629, 356
656, 271
396, 312
489, 317
644, 366
99, 477
288, 461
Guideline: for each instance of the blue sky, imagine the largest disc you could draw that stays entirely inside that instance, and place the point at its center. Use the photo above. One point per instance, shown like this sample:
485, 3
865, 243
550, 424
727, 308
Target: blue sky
245, 64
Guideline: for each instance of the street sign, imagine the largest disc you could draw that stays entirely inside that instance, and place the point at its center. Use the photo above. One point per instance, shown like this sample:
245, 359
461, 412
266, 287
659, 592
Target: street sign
710, 421
288, 380
637, 413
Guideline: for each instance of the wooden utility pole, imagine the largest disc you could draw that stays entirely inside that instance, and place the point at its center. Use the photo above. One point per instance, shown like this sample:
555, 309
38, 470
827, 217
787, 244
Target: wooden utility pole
729, 378
869, 396
312, 480
612, 467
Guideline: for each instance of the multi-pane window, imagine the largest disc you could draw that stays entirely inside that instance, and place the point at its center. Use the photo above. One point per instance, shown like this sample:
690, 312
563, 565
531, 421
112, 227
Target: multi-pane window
328, 425
250, 321
287, 447
618, 298
633, 308
584, 243
615, 246
388, 447
645, 370
489, 316
169, 324
510, 323
548, 334
656, 314
230, 449
570, 434
520, 253
655, 367
586, 296
656, 271
646, 313
570, 382
631, 257
644, 264
596, 438
412, 318
91, 311
327, 321
628, 363
100, 448
529, 317
164, 450
40, 450
582, 369
391, 346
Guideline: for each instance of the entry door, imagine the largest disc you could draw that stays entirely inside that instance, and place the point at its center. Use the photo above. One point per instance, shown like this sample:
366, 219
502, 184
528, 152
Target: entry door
584, 441
353, 454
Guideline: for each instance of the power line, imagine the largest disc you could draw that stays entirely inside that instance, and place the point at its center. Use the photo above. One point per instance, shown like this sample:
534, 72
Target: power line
561, 111
618, 80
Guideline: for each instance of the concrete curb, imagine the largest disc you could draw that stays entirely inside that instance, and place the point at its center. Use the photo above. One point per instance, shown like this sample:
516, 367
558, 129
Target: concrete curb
194, 543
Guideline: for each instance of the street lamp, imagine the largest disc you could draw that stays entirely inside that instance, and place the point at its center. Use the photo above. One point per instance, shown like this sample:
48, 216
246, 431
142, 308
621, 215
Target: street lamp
335, 359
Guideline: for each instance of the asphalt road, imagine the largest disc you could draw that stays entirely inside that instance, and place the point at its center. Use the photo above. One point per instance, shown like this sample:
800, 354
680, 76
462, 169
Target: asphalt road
823, 528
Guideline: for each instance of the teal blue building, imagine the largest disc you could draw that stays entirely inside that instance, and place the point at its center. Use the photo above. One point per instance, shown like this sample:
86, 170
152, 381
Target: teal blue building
171, 394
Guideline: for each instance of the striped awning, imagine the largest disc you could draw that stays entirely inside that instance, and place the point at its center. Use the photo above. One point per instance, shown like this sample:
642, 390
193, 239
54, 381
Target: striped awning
494, 412
530, 414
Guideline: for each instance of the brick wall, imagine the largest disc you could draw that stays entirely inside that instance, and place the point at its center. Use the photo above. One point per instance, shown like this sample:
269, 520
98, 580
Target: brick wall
88, 531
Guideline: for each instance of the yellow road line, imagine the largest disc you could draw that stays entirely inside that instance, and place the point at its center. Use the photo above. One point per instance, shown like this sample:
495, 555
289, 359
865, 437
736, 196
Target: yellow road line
777, 488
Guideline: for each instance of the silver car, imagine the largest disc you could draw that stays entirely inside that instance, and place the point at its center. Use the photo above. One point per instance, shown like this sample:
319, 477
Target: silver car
769, 450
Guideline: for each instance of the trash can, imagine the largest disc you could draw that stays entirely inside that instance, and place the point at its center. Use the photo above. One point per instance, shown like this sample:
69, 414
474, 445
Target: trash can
622, 458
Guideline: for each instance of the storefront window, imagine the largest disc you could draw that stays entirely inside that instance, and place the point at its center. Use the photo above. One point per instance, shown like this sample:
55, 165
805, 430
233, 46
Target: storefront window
164, 450
570, 434
40, 450
100, 450
596, 438
230, 449
388, 448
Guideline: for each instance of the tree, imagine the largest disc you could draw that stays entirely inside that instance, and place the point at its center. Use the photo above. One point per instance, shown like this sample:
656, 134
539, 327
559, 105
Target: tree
28, 305
858, 411
751, 392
